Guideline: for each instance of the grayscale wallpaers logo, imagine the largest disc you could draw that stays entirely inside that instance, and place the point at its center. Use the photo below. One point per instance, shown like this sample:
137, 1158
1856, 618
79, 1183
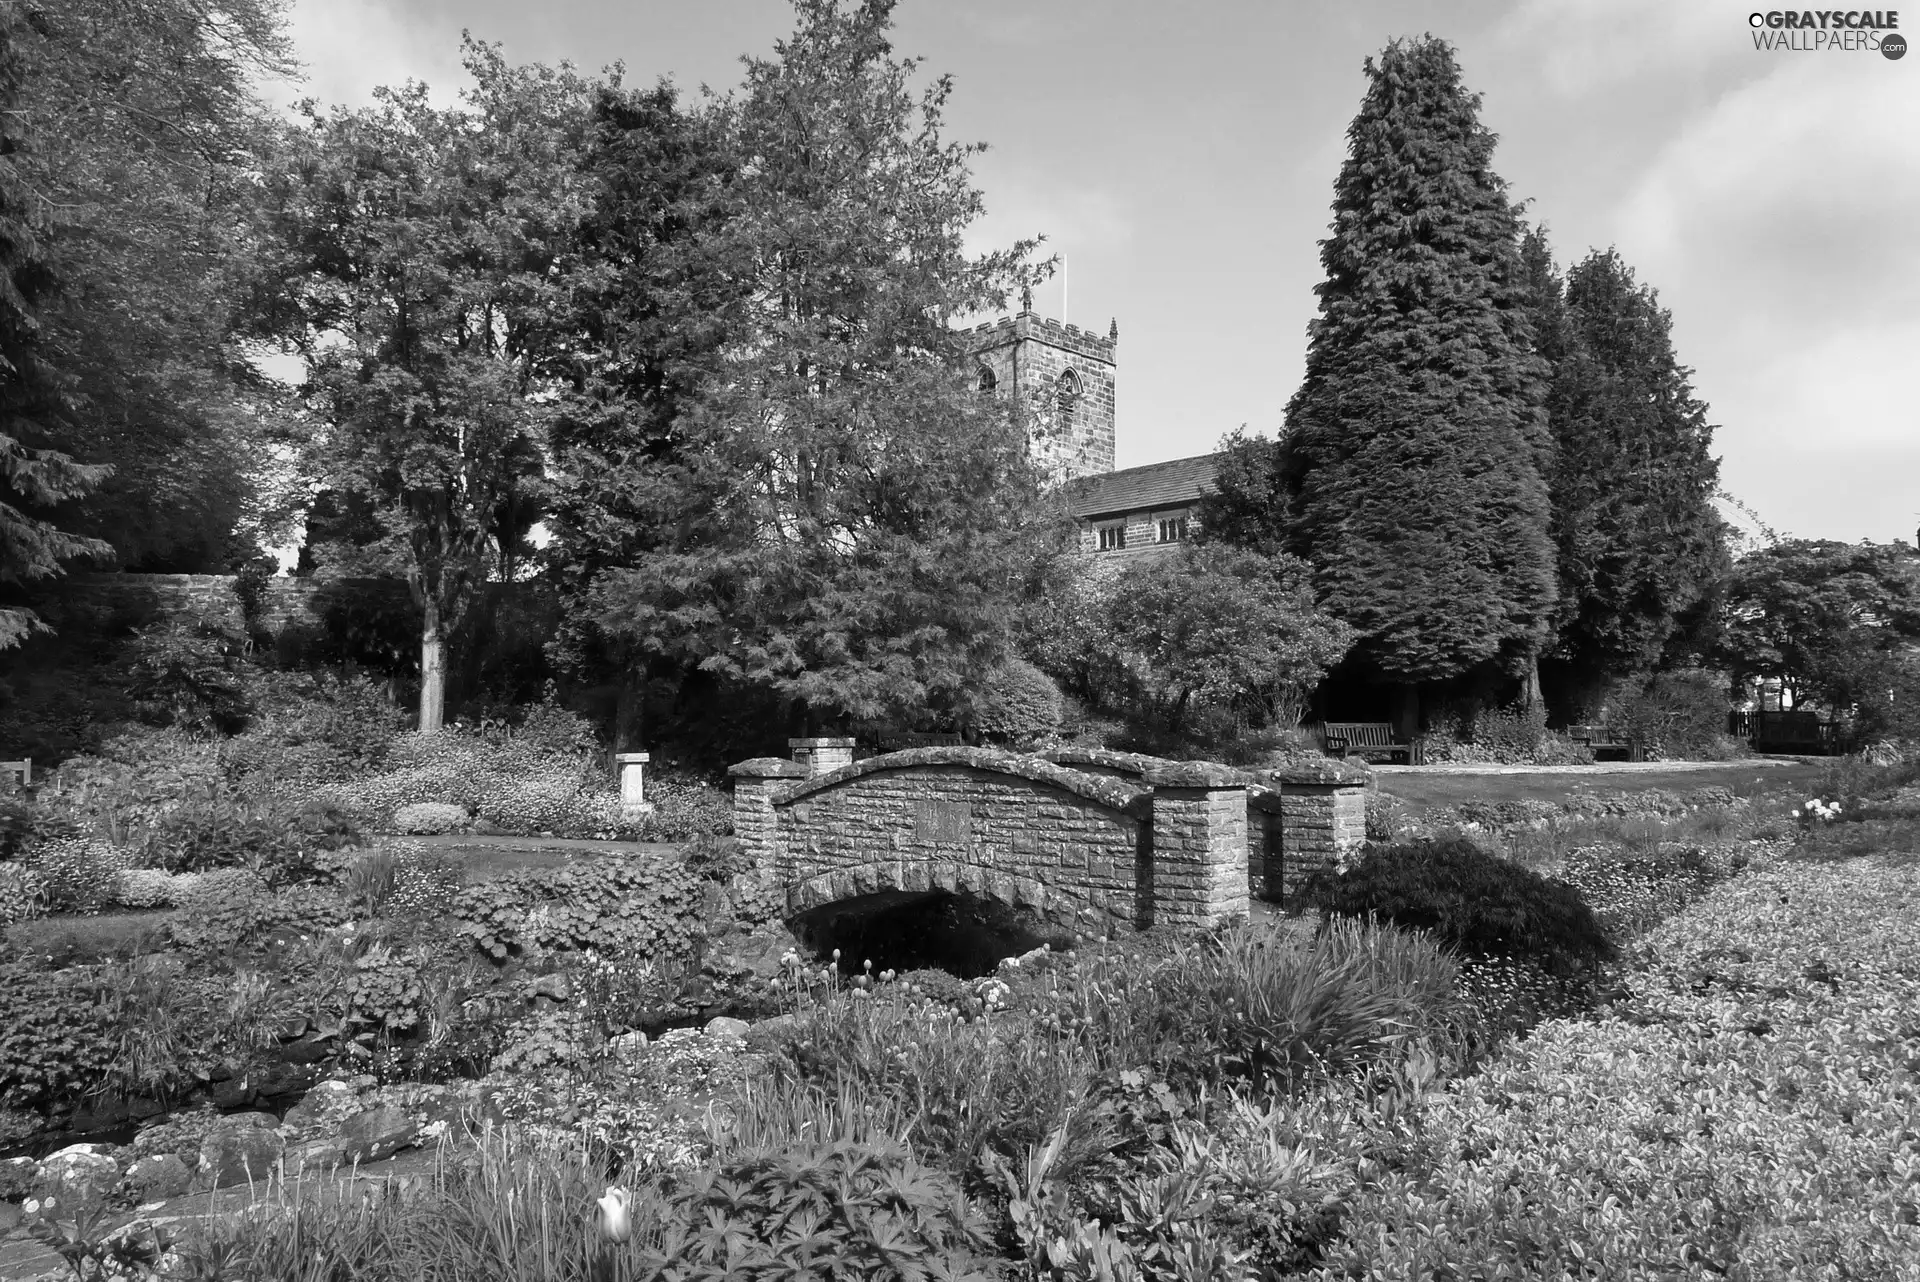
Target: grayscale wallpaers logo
1829, 30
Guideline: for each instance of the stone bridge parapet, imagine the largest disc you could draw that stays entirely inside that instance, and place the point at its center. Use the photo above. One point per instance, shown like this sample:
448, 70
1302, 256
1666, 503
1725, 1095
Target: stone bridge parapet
1087, 838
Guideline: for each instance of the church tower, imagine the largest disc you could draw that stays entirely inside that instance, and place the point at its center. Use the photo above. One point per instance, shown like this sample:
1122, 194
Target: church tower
1063, 377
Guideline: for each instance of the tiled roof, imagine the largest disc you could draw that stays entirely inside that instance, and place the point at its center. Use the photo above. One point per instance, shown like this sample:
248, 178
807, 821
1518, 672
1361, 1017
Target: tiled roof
1175, 483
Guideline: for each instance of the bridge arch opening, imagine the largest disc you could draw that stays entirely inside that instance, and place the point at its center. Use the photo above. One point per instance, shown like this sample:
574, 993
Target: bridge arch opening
957, 931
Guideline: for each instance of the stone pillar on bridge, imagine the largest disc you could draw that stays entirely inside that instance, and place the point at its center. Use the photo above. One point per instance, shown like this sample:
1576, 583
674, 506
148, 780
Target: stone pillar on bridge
1199, 844
822, 755
755, 784
1322, 816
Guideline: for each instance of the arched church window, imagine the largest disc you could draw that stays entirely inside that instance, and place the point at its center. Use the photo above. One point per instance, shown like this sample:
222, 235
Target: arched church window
1068, 390
987, 382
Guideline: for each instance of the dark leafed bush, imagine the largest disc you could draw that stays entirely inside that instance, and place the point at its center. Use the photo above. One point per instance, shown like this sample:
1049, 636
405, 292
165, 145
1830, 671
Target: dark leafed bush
1470, 899
187, 673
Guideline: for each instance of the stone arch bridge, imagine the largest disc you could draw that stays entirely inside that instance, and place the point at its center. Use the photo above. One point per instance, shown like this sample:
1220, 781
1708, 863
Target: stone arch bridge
1090, 840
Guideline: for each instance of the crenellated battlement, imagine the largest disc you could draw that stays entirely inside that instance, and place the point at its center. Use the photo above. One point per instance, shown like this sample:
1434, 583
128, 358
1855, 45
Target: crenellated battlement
1045, 329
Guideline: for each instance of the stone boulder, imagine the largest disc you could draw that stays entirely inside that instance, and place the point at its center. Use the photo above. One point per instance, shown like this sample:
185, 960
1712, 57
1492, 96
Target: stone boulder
18, 1175
79, 1177
314, 1157
155, 1179
727, 1026
238, 1155
376, 1133
320, 1113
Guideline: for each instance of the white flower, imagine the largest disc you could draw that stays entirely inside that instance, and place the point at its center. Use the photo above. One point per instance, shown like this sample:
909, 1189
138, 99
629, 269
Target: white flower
613, 1214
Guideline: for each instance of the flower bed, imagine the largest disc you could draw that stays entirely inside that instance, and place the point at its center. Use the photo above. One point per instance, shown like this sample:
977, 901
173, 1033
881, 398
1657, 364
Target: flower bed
1751, 1107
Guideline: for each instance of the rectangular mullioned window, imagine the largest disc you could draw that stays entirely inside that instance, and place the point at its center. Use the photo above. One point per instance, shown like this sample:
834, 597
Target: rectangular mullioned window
1173, 529
1113, 537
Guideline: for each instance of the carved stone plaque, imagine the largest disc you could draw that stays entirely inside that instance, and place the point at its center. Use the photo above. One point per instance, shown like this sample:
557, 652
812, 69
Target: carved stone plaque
942, 822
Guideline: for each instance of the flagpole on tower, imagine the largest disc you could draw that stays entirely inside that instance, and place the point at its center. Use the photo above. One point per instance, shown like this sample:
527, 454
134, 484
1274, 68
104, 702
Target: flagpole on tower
1063, 289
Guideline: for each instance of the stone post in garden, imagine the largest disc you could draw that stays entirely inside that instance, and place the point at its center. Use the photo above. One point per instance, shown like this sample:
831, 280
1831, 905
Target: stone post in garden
822, 755
1323, 815
1199, 844
633, 793
755, 785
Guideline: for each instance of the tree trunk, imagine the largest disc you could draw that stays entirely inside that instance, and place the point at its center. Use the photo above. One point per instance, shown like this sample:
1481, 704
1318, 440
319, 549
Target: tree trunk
1530, 684
1410, 711
433, 672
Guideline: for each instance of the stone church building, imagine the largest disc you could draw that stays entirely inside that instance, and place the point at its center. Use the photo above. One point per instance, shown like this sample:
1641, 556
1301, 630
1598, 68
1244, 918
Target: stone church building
1067, 374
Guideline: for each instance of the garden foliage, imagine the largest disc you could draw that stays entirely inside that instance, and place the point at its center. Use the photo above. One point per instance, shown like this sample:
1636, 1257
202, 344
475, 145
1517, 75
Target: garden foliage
1468, 899
611, 905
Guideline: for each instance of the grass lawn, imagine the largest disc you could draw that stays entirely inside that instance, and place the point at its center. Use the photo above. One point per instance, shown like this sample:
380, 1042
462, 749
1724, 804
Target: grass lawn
1420, 790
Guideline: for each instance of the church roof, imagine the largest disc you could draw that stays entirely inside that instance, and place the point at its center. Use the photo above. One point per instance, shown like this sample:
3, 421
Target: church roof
1174, 483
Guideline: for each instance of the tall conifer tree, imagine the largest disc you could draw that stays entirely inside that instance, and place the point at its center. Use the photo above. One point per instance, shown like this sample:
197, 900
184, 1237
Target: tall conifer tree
1416, 446
33, 395
1641, 548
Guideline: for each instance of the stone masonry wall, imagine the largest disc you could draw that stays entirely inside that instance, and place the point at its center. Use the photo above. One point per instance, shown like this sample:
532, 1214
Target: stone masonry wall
1199, 856
1029, 353
1317, 823
956, 827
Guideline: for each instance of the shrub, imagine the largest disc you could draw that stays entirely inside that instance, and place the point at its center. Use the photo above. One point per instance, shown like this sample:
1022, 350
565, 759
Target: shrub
550, 727
685, 806
54, 1042
187, 674
872, 1211
1018, 705
78, 874
22, 895
611, 905
315, 727
230, 909
1678, 715
1752, 1029
1469, 899
429, 818
144, 888
426, 883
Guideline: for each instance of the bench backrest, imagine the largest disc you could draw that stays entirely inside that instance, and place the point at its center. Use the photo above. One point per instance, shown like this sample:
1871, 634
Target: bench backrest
1364, 734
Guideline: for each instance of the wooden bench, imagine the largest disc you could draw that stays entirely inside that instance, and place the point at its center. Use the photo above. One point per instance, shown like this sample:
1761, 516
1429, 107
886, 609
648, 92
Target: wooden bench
1368, 738
1599, 739
20, 773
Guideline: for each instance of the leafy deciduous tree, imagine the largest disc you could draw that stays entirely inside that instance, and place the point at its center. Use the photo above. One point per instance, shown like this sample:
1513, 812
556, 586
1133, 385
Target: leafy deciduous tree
1223, 625
862, 523
1836, 622
422, 271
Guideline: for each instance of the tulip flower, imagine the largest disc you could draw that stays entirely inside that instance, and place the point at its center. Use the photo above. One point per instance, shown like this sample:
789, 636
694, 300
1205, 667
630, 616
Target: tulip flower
613, 1214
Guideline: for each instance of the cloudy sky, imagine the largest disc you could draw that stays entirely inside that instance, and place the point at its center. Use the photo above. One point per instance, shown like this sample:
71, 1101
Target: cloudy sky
1181, 158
